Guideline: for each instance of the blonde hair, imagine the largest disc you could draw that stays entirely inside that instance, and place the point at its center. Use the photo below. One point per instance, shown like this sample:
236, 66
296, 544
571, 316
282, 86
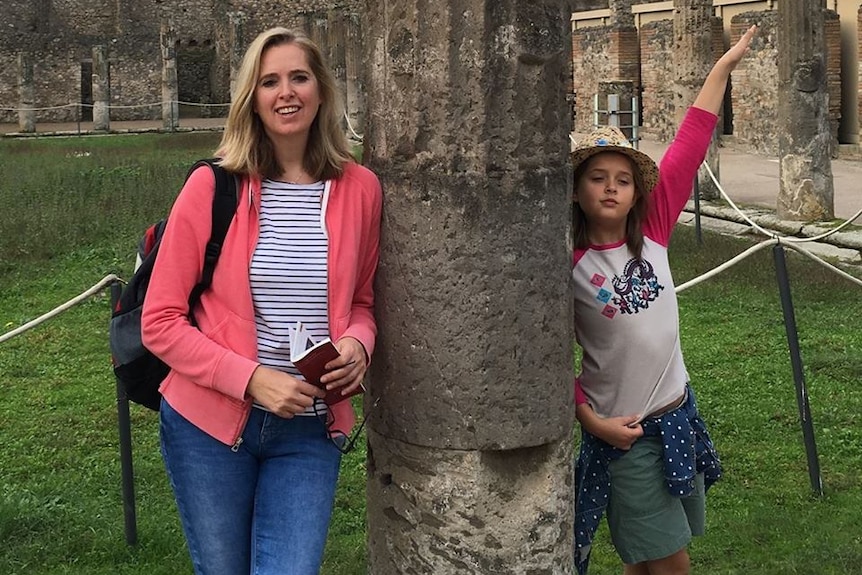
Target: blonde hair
245, 148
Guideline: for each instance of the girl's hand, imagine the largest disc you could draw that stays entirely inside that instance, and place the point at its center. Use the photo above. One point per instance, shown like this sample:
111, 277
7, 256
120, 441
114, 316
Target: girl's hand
348, 370
736, 52
621, 432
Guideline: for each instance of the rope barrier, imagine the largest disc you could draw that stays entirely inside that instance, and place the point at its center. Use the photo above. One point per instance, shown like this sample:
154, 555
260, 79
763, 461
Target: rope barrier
768, 233
774, 238
106, 281
726, 265
112, 106
350, 127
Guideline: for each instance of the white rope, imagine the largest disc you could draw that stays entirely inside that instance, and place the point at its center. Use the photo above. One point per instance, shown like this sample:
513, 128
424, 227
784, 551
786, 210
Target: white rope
202, 105
110, 106
768, 233
106, 281
350, 127
756, 248
775, 238
825, 264
729, 263
60, 107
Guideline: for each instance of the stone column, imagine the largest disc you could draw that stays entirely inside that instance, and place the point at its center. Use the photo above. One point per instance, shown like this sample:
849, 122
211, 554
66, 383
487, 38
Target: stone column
221, 74
622, 15
693, 58
354, 88
237, 48
101, 89
469, 449
170, 88
26, 94
805, 189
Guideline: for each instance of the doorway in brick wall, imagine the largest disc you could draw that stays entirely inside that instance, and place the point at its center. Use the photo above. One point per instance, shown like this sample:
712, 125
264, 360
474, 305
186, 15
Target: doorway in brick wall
86, 91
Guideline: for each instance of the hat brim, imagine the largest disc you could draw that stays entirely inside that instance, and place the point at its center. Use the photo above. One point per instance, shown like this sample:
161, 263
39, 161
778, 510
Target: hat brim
646, 165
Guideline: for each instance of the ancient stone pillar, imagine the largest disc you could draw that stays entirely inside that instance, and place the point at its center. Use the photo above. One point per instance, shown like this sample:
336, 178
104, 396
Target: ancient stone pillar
353, 67
237, 47
621, 13
221, 75
101, 89
26, 94
693, 58
805, 190
469, 448
170, 88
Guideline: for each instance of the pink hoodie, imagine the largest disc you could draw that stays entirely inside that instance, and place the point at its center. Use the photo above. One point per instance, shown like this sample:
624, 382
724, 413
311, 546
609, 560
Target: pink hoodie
211, 366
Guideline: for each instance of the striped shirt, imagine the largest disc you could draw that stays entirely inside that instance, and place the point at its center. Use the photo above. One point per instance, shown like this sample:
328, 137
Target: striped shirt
288, 271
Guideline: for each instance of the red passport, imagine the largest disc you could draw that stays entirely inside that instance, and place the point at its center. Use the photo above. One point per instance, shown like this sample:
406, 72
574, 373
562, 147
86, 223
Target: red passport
310, 358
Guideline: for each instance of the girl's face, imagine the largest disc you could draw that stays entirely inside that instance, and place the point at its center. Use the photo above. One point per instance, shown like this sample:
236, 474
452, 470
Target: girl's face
286, 96
606, 191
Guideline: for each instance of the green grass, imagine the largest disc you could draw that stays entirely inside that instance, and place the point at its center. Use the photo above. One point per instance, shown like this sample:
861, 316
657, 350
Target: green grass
73, 211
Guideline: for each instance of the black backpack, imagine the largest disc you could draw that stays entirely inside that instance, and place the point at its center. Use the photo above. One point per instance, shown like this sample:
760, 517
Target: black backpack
139, 371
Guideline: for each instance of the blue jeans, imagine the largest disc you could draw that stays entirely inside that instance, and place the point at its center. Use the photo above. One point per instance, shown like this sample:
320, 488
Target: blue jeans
262, 510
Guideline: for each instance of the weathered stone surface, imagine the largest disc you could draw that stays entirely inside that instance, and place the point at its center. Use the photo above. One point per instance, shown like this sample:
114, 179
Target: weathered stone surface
101, 89
805, 139
467, 131
170, 94
469, 446
469, 512
26, 115
693, 58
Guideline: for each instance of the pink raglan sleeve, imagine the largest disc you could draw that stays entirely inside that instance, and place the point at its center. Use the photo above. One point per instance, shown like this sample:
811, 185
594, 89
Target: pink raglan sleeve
580, 396
677, 171
165, 327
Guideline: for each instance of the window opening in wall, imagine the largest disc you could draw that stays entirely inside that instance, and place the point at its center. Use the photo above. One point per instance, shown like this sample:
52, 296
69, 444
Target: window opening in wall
728, 111
87, 91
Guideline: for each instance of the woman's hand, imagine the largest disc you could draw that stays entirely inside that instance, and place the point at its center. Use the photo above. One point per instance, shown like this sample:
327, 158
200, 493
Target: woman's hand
281, 393
347, 370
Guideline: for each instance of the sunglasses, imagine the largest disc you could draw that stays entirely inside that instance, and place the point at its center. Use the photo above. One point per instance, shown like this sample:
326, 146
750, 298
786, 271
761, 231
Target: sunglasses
344, 443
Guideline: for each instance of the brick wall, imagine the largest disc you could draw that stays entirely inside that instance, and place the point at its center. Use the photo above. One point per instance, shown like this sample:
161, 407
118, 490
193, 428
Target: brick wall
859, 65
601, 53
832, 32
656, 44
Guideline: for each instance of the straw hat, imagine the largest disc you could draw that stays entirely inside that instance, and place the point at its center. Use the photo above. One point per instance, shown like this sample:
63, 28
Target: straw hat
611, 139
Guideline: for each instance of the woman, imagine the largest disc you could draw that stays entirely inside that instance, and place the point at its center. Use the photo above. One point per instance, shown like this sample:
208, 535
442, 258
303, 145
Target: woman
251, 450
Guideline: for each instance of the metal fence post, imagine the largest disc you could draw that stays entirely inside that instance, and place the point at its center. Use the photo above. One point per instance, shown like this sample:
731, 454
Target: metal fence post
125, 436
798, 375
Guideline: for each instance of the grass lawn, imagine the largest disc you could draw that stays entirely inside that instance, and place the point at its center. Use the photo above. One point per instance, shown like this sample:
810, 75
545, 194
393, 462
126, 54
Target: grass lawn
73, 211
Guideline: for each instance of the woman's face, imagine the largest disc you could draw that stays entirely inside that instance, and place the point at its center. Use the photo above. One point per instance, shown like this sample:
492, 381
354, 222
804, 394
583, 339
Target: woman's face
286, 96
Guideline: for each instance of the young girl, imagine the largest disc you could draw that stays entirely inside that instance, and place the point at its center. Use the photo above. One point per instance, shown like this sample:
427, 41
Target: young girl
645, 455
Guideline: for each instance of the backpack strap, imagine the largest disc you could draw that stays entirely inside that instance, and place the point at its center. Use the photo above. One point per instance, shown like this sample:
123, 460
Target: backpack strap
223, 209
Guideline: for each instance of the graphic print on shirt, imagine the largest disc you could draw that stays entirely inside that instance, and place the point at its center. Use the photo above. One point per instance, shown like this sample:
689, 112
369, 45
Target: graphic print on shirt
633, 290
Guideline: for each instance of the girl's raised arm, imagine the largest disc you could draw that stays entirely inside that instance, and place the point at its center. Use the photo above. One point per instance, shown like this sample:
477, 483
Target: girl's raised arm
711, 94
